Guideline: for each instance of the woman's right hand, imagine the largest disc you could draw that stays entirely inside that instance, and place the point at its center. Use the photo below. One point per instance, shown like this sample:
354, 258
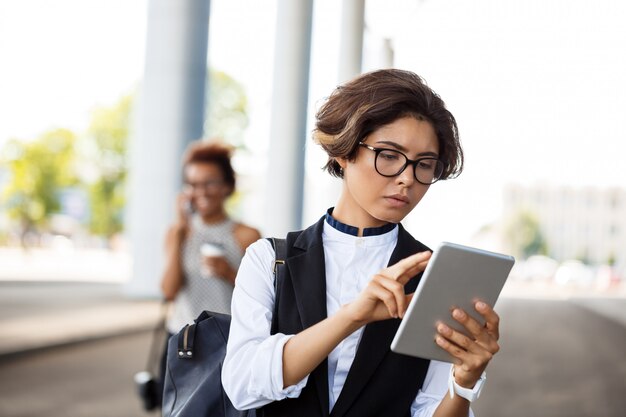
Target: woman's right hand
383, 297
173, 277
183, 202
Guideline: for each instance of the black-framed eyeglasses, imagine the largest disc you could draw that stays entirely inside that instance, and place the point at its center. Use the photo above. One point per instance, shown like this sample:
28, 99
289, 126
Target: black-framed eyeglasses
391, 163
204, 185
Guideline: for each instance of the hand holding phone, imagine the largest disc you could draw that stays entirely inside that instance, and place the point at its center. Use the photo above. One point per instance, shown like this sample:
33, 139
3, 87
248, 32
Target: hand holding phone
188, 207
184, 207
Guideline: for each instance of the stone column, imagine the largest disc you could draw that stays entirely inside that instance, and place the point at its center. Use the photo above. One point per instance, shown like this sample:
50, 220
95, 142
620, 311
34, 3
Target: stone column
170, 114
285, 181
387, 54
351, 42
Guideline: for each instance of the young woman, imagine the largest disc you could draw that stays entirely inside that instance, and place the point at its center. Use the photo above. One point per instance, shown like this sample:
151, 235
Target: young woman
350, 275
193, 281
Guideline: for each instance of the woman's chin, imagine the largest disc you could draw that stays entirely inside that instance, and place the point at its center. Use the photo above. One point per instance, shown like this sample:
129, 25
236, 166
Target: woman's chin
206, 207
394, 216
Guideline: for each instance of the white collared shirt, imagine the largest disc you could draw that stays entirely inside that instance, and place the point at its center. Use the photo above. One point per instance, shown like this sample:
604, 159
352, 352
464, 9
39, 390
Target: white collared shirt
252, 374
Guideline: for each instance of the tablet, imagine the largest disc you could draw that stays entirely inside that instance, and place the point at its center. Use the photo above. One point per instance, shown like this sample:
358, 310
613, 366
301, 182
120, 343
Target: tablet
456, 275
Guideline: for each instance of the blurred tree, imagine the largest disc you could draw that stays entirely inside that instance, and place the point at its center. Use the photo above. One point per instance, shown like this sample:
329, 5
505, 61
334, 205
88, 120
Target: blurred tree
38, 170
611, 259
106, 143
583, 256
524, 235
226, 108
105, 149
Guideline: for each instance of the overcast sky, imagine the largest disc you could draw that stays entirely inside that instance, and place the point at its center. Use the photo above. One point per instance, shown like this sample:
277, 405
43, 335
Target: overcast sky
537, 87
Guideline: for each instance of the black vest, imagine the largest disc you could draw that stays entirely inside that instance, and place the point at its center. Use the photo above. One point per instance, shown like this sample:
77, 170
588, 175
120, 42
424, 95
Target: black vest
380, 382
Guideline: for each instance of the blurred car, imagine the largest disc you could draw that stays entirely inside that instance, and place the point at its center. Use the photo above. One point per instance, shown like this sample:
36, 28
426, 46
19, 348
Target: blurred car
607, 276
574, 272
542, 268
535, 268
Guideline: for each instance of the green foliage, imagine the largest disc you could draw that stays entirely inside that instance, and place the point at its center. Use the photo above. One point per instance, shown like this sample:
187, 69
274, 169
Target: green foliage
38, 170
105, 147
106, 198
524, 235
583, 256
611, 259
107, 140
226, 108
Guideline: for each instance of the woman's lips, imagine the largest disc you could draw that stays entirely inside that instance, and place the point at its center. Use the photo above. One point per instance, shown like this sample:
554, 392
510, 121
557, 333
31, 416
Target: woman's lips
397, 200
202, 202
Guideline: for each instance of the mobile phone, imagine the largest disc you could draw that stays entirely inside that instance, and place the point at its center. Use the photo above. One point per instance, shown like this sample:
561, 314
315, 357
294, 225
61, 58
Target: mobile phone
189, 209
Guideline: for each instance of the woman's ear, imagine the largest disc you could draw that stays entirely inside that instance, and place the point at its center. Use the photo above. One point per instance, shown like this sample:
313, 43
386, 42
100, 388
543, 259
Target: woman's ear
342, 161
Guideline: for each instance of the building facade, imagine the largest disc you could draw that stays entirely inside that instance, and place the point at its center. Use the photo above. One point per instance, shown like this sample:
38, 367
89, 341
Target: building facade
588, 223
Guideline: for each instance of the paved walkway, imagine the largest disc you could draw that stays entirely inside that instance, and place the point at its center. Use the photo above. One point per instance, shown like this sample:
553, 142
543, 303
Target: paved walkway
45, 302
62, 295
37, 315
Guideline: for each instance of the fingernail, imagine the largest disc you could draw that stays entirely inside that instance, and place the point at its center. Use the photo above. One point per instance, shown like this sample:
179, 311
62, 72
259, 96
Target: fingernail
458, 314
439, 340
442, 328
481, 305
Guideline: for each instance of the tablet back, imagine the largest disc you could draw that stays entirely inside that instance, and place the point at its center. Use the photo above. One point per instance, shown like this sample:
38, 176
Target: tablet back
456, 275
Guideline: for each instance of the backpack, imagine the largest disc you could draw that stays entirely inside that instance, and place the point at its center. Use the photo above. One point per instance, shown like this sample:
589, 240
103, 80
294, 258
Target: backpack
193, 385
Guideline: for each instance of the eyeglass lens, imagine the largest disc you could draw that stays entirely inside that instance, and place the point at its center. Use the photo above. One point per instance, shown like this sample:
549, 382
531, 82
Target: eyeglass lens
209, 185
391, 163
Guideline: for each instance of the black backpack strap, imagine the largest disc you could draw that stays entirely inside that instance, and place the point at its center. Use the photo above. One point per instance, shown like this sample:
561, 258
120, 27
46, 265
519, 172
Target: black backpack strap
280, 250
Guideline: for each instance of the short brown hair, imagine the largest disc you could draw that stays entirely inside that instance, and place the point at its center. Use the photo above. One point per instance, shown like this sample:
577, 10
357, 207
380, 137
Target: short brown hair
374, 99
212, 152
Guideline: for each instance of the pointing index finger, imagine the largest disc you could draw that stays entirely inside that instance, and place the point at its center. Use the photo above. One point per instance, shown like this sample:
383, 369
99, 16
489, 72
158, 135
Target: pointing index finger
408, 267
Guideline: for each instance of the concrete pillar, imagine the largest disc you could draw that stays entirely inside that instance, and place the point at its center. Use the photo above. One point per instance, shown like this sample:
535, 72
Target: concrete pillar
288, 130
351, 42
386, 54
350, 65
170, 114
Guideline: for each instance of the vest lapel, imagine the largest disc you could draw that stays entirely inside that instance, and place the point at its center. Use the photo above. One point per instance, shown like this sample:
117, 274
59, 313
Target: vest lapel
308, 275
377, 336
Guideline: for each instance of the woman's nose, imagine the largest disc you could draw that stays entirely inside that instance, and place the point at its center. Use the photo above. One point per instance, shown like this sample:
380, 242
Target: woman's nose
406, 177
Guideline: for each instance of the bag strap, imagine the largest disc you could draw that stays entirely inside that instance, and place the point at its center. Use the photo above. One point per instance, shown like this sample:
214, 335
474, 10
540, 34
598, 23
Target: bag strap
157, 339
187, 334
279, 269
185, 340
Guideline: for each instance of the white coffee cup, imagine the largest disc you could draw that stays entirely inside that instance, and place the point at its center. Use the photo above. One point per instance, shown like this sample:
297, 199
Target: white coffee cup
209, 250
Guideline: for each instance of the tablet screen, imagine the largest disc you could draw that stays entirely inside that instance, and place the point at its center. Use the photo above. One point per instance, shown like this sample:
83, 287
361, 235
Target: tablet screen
456, 276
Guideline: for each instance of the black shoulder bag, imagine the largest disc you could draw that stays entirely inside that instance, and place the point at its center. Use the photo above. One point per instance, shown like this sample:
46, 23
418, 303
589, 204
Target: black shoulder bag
193, 384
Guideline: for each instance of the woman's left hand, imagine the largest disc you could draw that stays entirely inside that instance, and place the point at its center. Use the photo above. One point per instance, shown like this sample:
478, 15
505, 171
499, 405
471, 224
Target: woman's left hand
472, 354
219, 267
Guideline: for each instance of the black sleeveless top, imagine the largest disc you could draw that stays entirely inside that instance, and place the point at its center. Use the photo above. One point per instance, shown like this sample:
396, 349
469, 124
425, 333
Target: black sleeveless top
380, 382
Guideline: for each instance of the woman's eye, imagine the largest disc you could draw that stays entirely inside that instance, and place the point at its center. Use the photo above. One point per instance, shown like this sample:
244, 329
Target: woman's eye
426, 164
389, 156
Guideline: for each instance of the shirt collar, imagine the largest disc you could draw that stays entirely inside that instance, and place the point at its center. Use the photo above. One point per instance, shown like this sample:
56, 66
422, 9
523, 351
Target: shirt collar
354, 231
